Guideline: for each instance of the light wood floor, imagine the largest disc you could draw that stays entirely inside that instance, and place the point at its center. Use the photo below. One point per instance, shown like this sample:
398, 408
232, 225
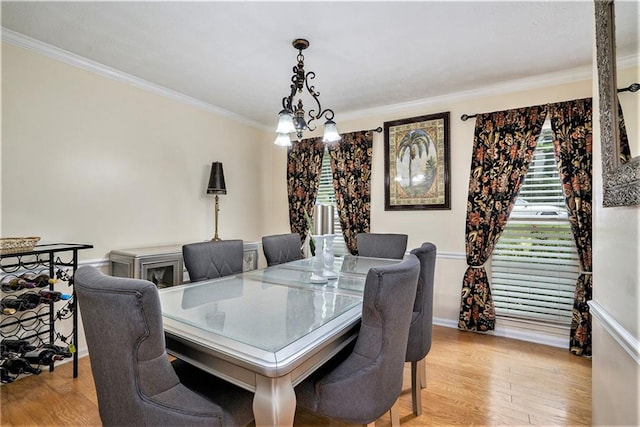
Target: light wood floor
472, 379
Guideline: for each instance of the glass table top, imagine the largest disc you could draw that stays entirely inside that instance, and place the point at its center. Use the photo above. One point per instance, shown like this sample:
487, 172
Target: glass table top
348, 264
258, 313
302, 278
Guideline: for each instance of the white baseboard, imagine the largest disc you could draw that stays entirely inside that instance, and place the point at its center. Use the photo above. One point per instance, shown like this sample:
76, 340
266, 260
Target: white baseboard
445, 322
516, 333
533, 336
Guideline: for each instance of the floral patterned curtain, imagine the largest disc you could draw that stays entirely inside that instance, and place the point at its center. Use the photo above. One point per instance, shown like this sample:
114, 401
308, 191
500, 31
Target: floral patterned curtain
571, 123
503, 146
304, 163
351, 166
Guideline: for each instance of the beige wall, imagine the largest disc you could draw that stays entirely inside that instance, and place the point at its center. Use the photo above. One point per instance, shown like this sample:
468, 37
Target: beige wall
444, 228
616, 292
92, 160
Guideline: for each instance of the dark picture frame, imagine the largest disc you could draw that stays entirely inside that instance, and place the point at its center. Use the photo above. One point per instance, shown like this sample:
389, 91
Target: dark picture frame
416, 163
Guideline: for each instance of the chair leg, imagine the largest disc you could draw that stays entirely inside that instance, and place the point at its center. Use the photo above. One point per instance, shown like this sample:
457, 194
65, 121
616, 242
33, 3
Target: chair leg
416, 389
395, 414
422, 367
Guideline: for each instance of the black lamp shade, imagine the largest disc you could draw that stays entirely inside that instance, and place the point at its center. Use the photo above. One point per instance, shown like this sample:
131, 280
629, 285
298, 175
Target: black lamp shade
216, 180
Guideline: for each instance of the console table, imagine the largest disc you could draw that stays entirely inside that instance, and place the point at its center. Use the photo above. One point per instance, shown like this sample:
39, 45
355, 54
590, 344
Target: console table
163, 265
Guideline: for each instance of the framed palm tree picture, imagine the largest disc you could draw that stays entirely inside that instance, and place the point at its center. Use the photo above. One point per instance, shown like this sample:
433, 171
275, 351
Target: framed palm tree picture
416, 163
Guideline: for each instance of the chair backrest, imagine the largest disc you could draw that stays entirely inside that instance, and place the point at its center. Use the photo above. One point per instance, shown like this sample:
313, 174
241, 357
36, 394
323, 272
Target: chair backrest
281, 248
210, 260
380, 245
420, 331
122, 322
368, 382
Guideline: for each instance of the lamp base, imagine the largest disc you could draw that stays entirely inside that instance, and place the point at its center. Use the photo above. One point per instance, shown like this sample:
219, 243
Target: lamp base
216, 210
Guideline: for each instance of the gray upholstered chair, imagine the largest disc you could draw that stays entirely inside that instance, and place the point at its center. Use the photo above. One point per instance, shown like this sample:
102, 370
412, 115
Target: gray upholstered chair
135, 382
420, 331
378, 245
281, 248
368, 382
210, 260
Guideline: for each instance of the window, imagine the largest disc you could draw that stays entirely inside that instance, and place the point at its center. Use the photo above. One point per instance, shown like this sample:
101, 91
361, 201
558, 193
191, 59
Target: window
327, 196
535, 263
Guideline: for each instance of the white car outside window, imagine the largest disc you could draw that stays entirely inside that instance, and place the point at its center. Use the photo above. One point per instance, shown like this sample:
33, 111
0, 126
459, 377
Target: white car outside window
524, 209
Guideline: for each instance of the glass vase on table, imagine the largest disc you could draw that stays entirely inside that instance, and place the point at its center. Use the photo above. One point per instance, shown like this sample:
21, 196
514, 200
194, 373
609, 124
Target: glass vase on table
328, 256
318, 261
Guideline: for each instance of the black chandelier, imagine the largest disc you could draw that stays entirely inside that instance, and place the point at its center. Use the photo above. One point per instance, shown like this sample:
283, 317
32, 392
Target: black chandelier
291, 118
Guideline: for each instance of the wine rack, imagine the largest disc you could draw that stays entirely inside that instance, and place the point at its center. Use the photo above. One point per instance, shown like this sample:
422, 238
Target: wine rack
38, 317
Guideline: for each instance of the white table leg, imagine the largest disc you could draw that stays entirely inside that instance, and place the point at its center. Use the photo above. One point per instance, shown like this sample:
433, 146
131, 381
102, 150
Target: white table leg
274, 403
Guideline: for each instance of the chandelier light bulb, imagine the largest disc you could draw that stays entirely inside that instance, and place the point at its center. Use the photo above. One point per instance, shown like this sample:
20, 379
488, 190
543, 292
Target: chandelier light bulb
285, 122
330, 132
283, 140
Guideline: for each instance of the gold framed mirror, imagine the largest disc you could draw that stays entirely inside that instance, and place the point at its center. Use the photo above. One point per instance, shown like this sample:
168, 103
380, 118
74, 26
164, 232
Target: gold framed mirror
620, 180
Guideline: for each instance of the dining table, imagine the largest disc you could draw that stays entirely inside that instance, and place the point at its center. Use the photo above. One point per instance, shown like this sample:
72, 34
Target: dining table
267, 330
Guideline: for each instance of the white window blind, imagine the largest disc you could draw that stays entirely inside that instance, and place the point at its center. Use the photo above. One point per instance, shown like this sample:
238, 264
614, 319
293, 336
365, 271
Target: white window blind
535, 264
327, 196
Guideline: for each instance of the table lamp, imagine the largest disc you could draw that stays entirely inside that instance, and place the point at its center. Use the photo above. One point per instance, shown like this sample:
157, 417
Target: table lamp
216, 186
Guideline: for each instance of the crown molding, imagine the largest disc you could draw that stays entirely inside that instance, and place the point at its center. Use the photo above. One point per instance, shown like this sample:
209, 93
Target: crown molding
78, 61
628, 61
551, 79
561, 77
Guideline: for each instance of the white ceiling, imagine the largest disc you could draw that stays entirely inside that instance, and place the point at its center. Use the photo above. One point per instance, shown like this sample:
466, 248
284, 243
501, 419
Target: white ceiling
238, 55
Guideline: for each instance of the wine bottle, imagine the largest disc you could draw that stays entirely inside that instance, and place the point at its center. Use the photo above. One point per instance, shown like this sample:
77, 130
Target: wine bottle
18, 365
37, 280
12, 345
18, 304
5, 378
32, 298
14, 284
42, 356
52, 296
44, 280
61, 351
28, 280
